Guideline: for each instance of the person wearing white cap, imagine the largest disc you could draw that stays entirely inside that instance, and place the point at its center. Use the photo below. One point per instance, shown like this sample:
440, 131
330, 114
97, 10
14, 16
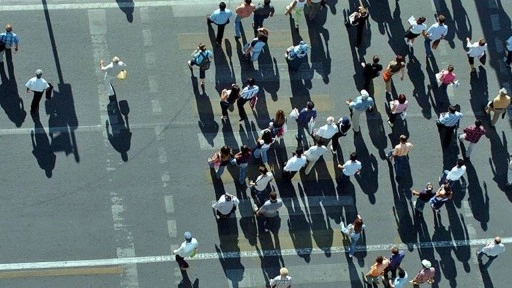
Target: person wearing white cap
281, 281
111, 72
426, 275
187, 249
37, 85
358, 106
326, 132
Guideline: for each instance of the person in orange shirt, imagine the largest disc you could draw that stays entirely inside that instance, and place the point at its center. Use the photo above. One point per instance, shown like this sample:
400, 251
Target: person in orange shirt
243, 11
377, 270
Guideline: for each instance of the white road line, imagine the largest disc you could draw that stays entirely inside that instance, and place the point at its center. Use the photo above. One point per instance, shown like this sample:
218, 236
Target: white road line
123, 233
243, 254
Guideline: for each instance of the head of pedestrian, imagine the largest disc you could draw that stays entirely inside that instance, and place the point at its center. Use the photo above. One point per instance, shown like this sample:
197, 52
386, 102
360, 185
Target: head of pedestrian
225, 150
245, 149
460, 162
227, 196
299, 152
39, 73
8, 27
310, 105
497, 240
421, 20
395, 250
426, 264
263, 170
403, 139
248, 2
452, 109
353, 156
266, 2
481, 42
402, 98
429, 186
188, 236
478, 123
441, 19
116, 59
401, 273
283, 271
450, 68
399, 59
362, 10
364, 94
235, 89
222, 6
447, 190
262, 37
379, 259
267, 136
503, 92
272, 196
201, 47
345, 121
358, 225
376, 59
330, 120
251, 81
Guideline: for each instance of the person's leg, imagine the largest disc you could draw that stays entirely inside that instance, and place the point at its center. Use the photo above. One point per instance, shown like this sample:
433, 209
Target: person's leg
264, 158
108, 85
388, 86
470, 148
237, 25
448, 135
420, 204
509, 58
496, 116
202, 75
355, 119
220, 33
257, 153
353, 243
360, 29
428, 50
509, 173
2, 53
392, 118
489, 261
398, 166
220, 171
241, 111
471, 61
335, 143
243, 170
224, 106
34, 107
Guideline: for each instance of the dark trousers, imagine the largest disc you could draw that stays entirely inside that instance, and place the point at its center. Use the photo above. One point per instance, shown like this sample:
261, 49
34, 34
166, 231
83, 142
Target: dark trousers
335, 143
288, 174
34, 107
448, 133
241, 111
393, 273
360, 29
392, 117
509, 57
224, 106
220, 30
181, 262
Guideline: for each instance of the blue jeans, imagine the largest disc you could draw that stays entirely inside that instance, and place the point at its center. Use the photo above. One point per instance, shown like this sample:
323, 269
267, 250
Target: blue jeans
261, 152
238, 23
243, 169
399, 163
428, 49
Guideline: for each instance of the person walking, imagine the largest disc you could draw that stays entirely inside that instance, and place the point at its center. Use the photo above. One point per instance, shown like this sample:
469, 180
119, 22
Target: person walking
434, 34
306, 118
326, 132
242, 160
228, 97
248, 94
343, 127
221, 159
400, 281
253, 49
377, 270
397, 107
202, 58
498, 105
477, 50
472, 135
371, 71
269, 211
261, 13
37, 85
244, 10
400, 154
278, 125
314, 153
424, 197
425, 275
454, 175
294, 164
443, 194
219, 17
111, 73
449, 121
297, 8
417, 27
262, 145
187, 249
359, 105
295, 55
358, 19
281, 281
351, 167
225, 206
395, 66
260, 185
446, 77
508, 47
491, 250
394, 263
353, 231
8, 40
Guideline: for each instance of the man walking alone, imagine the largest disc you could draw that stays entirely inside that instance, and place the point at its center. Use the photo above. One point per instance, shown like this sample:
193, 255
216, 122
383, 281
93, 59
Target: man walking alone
37, 85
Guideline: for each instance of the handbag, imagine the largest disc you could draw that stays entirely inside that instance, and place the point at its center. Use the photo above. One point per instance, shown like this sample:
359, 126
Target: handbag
122, 75
294, 114
386, 76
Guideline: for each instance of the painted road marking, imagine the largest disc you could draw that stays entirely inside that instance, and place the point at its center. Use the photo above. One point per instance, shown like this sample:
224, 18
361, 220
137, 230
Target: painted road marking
241, 254
62, 272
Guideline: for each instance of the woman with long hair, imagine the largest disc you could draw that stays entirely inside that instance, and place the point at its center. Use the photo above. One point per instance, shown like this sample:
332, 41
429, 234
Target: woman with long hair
397, 107
242, 160
221, 159
353, 231
262, 145
278, 125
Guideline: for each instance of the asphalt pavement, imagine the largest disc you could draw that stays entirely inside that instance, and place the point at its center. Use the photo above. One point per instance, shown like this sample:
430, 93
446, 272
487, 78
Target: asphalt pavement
98, 190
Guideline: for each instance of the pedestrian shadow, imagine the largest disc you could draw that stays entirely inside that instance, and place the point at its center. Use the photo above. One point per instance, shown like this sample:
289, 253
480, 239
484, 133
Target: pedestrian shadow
186, 283
499, 160
478, 201
459, 234
446, 262
368, 178
42, 148
268, 73
479, 95
10, 101
120, 135
395, 32
417, 77
207, 124
228, 250
127, 6
224, 73
299, 225
320, 55
377, 132
486, 278
461, 22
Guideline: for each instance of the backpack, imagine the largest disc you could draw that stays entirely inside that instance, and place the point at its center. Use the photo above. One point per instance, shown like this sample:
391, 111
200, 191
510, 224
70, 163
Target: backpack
205, 64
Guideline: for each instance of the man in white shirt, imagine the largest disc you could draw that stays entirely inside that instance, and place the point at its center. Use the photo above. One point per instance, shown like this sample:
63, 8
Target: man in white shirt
476, 49
352, 166
508, 46
491, 250
453, 175
225, 206
434, 34
326, 132
187, 249
281, 281
37, 85
294, 164
111, 71
314, 153
259, 186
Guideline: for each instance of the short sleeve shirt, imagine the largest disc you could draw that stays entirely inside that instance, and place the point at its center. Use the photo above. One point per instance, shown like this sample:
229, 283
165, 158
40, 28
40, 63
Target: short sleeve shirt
351, 167
269, 208
37, 84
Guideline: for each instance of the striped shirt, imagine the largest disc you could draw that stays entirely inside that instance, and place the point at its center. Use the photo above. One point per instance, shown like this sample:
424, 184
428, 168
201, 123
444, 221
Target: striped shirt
249, 92
450, 119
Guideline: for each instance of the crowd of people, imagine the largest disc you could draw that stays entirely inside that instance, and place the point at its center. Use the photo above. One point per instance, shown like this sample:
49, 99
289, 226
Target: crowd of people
326, 137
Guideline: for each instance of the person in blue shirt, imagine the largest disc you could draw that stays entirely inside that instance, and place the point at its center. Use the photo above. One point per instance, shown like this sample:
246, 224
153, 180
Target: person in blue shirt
394, 263
306, 116
400, 281
358, 106
219, 17
199, 56
10, 40
449, 121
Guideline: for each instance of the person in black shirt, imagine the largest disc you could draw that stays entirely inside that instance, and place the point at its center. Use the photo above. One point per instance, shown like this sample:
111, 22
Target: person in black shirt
343, 127
423, 197
358, 19
371, 71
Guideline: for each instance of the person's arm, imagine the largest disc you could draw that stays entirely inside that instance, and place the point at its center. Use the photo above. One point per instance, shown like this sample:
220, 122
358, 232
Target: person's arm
415, 193
292, 5
468, 42
403, 72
